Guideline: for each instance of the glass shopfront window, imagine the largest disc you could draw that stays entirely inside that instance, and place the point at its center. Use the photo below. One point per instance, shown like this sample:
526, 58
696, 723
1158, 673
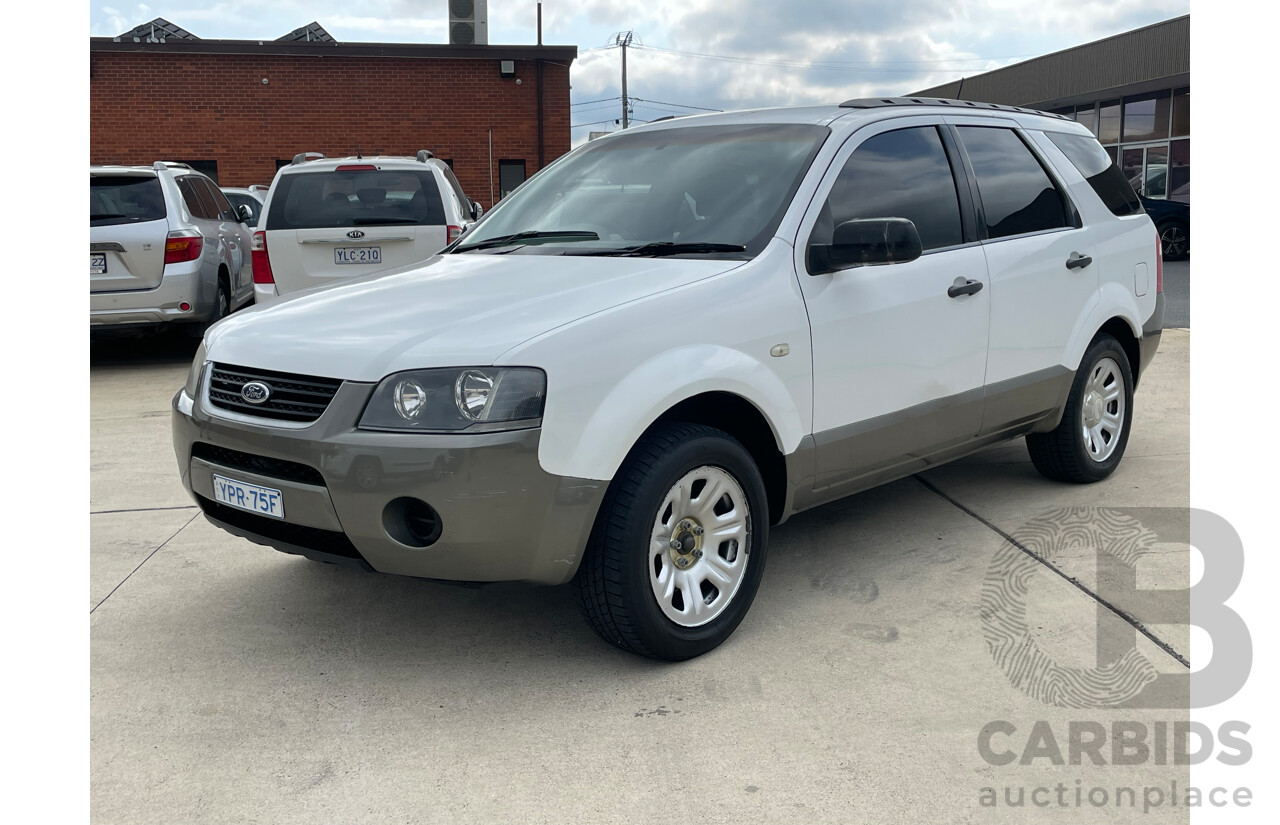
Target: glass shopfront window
1109, 122
1087, 116
1180, 171
1181, 112
1146, 117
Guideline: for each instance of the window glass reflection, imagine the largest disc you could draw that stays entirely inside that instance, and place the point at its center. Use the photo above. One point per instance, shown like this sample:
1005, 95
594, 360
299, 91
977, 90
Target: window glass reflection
1147, 118
1109, 122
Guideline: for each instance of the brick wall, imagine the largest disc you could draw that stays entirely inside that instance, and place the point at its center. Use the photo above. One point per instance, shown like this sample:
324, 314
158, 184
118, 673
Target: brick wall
148, 107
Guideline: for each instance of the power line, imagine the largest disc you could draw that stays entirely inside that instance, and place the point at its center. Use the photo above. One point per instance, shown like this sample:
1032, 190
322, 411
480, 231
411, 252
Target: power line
820, 65
594, 122
601, 100
677, 105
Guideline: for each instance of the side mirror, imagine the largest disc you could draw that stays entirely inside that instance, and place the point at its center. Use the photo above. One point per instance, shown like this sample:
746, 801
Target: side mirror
864, 242
244, 213
476, 210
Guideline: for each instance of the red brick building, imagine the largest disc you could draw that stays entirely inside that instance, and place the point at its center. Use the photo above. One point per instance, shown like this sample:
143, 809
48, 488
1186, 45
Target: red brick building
239, 109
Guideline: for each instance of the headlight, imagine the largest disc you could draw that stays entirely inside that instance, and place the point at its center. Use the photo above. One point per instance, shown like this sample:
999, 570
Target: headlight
476, 399
193, 375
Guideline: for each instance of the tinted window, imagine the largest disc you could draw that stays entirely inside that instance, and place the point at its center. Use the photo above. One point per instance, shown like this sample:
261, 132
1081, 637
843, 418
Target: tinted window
199, 202
1147, 118
1017, 195
1099, 170
238, 200
356, 198
220, 202
901, 174
115, 199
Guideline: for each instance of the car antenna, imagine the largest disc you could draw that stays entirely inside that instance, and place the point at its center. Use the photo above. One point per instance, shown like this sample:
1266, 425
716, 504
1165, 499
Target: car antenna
358, 155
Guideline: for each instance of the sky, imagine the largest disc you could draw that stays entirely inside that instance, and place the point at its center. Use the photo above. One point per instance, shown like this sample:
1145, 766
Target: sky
699, 54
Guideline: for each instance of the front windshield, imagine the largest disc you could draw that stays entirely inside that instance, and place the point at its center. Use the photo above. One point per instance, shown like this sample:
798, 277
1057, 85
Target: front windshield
696, 190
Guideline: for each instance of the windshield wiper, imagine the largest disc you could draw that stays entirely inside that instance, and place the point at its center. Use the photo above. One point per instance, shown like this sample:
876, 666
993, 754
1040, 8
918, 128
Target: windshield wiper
102, 216
662, 248
520, 237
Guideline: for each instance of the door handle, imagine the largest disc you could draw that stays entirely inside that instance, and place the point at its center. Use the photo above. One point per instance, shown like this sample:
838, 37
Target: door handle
963, 286
1076, 261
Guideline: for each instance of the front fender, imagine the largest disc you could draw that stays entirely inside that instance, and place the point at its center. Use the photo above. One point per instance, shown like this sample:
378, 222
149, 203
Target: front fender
595, 448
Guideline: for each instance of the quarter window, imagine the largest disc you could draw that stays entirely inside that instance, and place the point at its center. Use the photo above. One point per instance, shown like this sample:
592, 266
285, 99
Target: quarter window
899, 174
1017, 194
199, 202
1099, 171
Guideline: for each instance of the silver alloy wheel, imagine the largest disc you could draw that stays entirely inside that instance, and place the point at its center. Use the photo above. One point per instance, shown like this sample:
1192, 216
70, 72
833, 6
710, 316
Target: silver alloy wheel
700, 546
1102, 409
1174, 239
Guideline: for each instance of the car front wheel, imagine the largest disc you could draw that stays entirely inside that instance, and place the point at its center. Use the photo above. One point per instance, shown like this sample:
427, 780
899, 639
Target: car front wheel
679, 546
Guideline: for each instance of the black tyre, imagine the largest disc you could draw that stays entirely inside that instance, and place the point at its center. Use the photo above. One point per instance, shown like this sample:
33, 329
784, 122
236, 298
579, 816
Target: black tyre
1089, 442
679, 546
1175, 240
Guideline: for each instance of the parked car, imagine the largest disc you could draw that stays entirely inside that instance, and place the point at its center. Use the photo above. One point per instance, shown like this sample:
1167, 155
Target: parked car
252, 197
330, 220
1173, 222
626, 386
165, 247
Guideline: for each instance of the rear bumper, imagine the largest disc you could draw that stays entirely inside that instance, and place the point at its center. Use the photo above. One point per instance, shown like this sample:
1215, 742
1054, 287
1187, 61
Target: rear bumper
1150, 341
161, 305
502, 517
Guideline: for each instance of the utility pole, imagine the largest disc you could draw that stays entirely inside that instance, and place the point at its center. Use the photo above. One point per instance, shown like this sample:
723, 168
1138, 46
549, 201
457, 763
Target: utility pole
624, 39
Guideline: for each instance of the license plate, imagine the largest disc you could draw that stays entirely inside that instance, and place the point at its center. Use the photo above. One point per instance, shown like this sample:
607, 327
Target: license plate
97, 263
357, 255
261, 500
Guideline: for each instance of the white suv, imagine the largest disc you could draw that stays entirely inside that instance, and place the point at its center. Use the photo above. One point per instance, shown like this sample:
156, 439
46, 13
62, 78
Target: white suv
331, 220
680, 335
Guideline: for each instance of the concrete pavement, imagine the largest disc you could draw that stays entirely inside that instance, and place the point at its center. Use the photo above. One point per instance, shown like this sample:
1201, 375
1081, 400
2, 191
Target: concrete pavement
231, 683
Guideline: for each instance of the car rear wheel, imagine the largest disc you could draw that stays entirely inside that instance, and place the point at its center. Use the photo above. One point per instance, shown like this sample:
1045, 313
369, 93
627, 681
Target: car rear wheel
679, 546
1175, 240
1089, 442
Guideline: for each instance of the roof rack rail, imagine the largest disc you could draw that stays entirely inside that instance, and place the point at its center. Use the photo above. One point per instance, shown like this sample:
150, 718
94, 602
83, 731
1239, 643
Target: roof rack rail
303, 157
885, 102
162, 165
425, 155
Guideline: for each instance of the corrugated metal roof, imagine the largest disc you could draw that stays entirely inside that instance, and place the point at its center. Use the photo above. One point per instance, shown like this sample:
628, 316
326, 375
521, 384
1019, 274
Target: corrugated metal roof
1150, 53
157, 30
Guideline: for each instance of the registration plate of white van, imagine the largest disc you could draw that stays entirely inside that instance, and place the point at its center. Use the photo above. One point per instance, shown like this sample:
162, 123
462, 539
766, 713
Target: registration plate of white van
261, 500
357, 255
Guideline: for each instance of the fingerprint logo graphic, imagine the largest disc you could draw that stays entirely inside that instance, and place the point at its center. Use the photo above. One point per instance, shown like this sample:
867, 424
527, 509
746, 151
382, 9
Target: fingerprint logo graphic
1005, 625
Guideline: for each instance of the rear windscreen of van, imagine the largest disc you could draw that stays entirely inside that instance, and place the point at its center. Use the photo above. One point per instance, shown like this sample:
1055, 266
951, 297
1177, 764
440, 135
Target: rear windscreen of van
355, 198
116, 199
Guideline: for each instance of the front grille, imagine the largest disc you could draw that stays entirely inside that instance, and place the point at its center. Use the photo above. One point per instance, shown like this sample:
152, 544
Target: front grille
293, 397
307, 538
257, 464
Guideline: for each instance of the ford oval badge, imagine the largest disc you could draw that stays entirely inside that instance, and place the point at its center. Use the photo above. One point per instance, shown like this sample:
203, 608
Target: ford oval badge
255, 392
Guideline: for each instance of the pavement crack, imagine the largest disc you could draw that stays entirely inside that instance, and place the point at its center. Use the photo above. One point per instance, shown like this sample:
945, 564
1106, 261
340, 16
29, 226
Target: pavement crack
1124, 615
142, 509
144, 561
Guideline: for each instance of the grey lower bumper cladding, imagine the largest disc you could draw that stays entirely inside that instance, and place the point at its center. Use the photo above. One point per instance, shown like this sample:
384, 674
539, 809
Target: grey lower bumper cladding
503, 517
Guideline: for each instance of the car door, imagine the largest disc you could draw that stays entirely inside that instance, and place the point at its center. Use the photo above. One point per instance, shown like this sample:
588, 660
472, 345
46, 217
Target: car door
898, 362
236, 238
1043, 282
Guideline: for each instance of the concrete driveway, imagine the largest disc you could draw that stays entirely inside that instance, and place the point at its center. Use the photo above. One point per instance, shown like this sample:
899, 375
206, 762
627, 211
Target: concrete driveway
231, 683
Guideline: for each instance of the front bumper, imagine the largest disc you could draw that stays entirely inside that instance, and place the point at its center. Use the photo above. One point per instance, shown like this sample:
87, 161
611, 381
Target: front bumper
503, 518
152, 307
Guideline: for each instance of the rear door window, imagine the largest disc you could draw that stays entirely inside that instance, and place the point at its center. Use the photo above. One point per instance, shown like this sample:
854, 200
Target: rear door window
1099, 171
372, 197
1018, 196
220, 202
117, 199
199, 202
900, 174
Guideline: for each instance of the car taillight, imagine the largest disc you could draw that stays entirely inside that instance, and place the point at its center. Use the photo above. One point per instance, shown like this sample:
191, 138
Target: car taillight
454, 233
1159, 266
261, 263
179, 248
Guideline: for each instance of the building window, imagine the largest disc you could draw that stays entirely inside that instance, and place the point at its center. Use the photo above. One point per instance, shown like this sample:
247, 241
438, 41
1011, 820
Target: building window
1087, 116
204, 167
1180, 171
1181, 112
1146, 117
1109, 122
510, 175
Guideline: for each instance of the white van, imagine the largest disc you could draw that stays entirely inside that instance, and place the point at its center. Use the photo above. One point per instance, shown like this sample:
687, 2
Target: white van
330, 220
680, 335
